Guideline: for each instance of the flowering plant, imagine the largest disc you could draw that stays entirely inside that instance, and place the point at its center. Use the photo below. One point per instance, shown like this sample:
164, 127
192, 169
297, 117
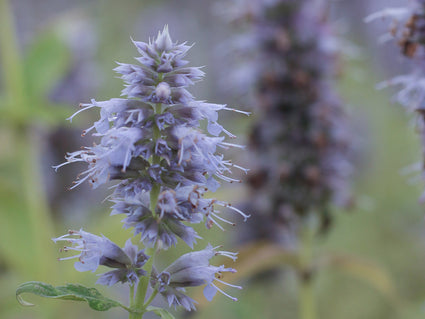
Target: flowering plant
300, 140
300, 137
408, 32
152, 145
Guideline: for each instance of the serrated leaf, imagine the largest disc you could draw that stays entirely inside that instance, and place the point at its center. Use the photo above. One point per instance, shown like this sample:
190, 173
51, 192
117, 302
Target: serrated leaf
74, 292
163, 313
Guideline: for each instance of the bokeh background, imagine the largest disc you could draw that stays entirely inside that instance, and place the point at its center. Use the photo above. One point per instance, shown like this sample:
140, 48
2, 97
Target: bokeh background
55, 54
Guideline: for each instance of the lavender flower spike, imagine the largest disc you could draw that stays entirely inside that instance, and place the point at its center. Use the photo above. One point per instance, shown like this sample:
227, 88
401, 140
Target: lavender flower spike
95, 251
190, 270
151, 141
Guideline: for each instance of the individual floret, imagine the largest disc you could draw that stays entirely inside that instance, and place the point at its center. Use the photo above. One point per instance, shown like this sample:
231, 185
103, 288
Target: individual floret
191, 270
95, 251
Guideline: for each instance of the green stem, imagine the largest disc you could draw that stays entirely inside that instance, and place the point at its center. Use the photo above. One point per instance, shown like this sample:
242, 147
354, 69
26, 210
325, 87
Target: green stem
307, 309
151, 298
139, 305
131, 314
156, 132
142, 288
306, 299
134, 315
154, 193
131, 296
156, 188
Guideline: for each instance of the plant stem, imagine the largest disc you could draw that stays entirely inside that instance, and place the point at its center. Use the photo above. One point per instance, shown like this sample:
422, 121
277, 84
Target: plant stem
131, 295
307, 309
133, 315
156, 188
151, 298
142, 288
306, 299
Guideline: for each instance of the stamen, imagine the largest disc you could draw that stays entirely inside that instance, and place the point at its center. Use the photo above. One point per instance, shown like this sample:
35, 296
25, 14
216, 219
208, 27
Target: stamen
81, 110
245, 170
215, 223
222, 219
245, 216
181, 153
227, 284
227, 295
228, 254
230, 145
228, 179
237, 111
60, 165
228, 133
67, 258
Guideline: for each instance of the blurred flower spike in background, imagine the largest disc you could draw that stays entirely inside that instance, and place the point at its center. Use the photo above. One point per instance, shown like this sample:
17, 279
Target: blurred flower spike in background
407, 30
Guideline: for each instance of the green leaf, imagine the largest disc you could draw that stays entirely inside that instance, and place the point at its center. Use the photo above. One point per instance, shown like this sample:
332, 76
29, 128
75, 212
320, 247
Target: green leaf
47, 60
68, 292
163, 313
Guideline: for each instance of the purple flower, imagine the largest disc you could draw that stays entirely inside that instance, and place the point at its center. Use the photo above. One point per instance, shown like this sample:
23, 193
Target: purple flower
184, 204
408, 32
152, 144
95, 251
190, 270
153, 137
300, 143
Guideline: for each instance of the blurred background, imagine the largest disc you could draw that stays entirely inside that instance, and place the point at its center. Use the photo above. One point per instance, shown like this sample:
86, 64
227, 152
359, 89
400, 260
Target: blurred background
55, 54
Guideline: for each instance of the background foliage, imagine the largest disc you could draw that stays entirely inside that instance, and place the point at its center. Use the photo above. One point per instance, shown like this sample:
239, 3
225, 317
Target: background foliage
56, 54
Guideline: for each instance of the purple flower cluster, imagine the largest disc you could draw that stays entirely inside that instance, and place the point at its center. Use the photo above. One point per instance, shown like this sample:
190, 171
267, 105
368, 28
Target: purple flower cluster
152, 144
299, 137
408, 32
